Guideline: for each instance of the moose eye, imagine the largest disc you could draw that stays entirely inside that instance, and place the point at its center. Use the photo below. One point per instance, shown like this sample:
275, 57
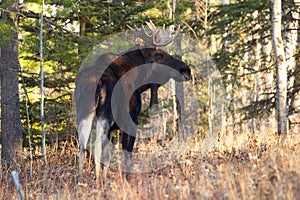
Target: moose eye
158, 56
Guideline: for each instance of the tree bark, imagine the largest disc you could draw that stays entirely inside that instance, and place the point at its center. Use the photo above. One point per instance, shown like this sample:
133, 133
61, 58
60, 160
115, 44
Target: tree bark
178, 120
10, 104
281, 69
291, 41
179, 93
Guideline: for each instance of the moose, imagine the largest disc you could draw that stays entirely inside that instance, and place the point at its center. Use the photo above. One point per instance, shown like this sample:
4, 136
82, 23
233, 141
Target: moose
113, 100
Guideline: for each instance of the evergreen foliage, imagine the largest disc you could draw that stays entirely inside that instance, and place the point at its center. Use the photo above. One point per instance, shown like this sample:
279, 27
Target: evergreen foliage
240, 31
71, 30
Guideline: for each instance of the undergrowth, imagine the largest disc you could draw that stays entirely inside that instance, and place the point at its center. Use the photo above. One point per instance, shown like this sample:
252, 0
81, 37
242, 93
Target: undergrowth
240, 166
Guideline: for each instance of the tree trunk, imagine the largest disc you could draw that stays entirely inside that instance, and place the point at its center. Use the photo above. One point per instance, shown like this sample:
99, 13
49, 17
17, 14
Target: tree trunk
178, 121
291, 41
281, 69
10, 104
179, 93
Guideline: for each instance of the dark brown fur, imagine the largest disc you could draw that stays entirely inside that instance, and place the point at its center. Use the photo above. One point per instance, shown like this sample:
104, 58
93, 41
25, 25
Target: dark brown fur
120, 65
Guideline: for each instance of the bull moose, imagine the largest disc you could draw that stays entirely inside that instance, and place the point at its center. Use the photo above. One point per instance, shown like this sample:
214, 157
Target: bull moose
132, 72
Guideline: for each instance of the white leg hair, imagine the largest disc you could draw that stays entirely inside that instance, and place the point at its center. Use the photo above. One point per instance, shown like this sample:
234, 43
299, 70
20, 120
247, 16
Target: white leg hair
101, 127
84, 130
105, 159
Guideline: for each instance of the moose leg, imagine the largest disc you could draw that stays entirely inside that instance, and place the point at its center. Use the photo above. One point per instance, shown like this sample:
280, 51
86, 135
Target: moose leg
128, 139
80, 161
106, 146
154, 97
101, 129
127, 146
84, 130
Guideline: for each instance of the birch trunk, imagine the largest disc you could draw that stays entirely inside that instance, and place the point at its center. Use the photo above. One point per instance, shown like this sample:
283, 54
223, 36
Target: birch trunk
281, 69
42, 88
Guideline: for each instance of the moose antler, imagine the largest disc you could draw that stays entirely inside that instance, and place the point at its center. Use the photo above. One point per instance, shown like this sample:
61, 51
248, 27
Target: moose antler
158, 37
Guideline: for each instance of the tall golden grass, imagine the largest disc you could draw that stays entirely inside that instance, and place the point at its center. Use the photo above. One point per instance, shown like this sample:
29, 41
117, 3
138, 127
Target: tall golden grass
240, 166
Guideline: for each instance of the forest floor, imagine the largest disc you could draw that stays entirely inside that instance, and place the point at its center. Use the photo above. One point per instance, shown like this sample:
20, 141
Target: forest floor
241, 166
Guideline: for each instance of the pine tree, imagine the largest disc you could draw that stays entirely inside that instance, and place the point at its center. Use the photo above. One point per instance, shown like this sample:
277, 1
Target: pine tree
10, 105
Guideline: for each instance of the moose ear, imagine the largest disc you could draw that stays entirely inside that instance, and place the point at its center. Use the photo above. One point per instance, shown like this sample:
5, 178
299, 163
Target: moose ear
143, 46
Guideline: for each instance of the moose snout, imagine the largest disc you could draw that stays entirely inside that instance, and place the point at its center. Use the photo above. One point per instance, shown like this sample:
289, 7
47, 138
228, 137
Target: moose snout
183, 73
186, 73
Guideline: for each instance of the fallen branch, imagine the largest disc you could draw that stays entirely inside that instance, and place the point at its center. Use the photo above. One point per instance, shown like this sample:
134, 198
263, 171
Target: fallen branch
15, 176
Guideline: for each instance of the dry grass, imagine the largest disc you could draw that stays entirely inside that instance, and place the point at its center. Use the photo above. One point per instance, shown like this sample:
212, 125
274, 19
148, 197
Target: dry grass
242, 166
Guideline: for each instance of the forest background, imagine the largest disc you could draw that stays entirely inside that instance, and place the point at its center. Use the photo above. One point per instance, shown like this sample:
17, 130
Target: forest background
237, 36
